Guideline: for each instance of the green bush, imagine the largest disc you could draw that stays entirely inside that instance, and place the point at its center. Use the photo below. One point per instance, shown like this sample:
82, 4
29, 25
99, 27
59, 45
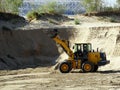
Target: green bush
51, 8
32, 15
77, 21
10, 6
91, 5
112, 20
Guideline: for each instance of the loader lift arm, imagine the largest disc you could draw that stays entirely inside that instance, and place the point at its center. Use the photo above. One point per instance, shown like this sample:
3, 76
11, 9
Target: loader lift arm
64, 44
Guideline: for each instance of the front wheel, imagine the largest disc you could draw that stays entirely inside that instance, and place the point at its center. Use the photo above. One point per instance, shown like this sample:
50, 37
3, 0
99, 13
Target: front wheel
87, 67
65, 67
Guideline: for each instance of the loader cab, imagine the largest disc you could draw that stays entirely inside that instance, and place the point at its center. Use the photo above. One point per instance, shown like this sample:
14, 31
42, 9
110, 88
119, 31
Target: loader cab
81, 49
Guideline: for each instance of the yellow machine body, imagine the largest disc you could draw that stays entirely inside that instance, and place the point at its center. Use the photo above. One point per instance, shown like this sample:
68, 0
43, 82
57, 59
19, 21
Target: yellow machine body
94, 57
76, 64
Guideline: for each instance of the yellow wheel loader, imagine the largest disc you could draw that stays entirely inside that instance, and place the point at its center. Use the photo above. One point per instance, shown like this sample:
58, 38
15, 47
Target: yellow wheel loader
83, 57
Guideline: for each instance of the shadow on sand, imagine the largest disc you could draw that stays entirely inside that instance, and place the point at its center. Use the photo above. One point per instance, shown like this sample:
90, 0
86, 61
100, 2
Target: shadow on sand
109, 71
102, 72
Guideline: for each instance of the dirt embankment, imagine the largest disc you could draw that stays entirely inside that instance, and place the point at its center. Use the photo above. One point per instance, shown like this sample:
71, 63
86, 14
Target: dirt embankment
24, 48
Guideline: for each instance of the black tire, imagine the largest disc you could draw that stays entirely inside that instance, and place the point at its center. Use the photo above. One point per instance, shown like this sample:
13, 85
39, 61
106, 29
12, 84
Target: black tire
95, 68
87, 67
65, 67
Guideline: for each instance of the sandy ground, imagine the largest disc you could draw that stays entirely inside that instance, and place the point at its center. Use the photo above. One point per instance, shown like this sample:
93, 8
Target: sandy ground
46, 79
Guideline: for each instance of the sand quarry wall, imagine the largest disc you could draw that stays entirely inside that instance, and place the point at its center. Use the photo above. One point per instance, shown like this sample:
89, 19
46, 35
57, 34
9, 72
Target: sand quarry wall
26, 48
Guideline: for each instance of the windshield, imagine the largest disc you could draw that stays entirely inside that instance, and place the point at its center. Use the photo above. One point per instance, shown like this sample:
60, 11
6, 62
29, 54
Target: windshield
82, 47
88, 47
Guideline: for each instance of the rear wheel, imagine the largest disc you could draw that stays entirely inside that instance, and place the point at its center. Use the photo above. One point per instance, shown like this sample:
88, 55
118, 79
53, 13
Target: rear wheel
65, 67
87, 67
